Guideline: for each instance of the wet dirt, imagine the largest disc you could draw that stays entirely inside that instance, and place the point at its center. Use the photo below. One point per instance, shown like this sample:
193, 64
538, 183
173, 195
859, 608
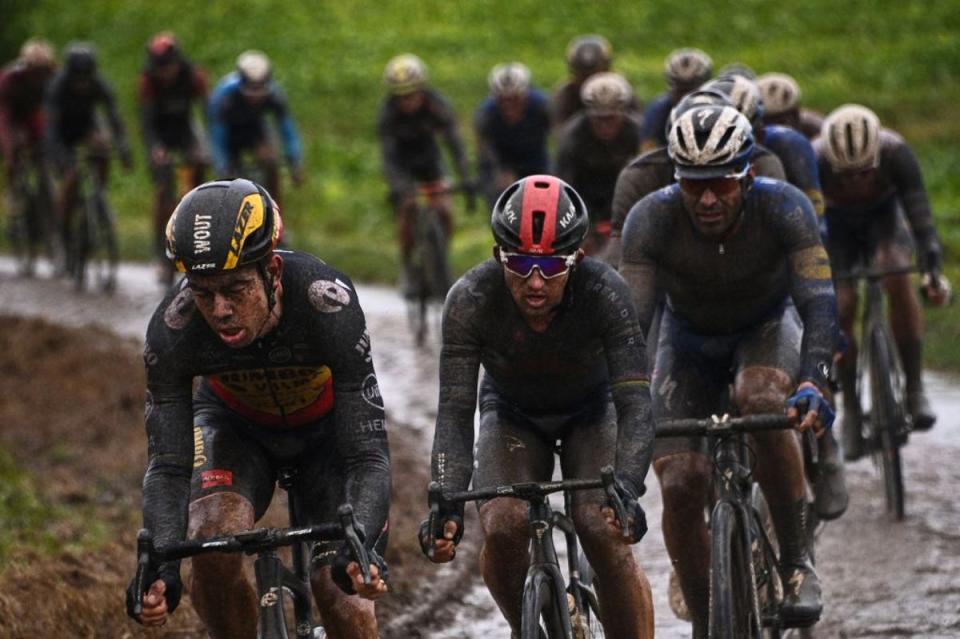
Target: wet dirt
71, 413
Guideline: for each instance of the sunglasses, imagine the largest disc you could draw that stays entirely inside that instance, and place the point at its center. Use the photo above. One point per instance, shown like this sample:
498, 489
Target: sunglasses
718, 186
550, 266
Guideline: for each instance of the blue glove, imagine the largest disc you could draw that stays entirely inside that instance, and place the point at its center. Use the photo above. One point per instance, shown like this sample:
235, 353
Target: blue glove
809, 399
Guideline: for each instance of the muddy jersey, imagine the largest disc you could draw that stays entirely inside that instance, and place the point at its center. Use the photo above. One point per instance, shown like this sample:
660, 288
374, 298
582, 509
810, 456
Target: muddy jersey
728, 285
21, 98
408, 142
165, 109
519, 147
799, 161
854, 201
655, 118
70, 110
591, 165
592, 348
313, 372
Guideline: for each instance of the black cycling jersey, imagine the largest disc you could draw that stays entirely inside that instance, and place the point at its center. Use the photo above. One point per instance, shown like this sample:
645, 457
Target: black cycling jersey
165, 109
592, 348
312, 372
71, 108
591, 165
728, 285
408, 142
519, 147
799, 160
855, 200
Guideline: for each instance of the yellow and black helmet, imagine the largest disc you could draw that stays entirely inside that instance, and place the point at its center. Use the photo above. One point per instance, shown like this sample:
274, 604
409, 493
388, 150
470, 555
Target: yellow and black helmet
222, 225
405, 74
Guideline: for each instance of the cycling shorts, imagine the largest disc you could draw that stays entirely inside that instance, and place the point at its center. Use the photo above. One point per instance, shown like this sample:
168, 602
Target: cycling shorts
854, 237
693, 372
514, 446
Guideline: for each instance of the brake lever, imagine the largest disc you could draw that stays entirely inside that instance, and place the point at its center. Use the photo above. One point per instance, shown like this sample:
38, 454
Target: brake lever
354, 536
613, 499
434, 497
144, 556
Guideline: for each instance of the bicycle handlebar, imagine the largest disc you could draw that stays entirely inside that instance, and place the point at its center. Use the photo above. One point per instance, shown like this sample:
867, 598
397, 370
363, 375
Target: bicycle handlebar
252, 542
722, 425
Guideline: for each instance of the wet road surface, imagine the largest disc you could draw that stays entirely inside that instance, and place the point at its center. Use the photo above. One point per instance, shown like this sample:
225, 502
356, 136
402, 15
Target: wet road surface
881, 579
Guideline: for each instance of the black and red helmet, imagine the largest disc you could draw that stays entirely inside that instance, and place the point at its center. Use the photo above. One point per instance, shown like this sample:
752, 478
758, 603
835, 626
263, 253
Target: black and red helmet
163, 49
540, 215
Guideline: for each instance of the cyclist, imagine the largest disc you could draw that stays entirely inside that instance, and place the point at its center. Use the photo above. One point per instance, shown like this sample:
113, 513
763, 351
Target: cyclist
237, 114
875, 200
685, 70
279, 342
563, 360
73, 98
22, 86
654, 170
781, 105
595, 145
411, 117
170, 86
512, 126
586, 55
748, 290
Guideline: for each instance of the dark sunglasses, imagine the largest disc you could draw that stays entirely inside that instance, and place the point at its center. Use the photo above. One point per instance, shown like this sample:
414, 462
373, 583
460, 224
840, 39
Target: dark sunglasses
718, 186
550, 266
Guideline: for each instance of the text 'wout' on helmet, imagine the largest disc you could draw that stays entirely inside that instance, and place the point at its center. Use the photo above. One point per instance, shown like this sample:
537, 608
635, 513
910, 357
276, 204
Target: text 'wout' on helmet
222, 225
850, 136
405, 74
540, 215
709, 142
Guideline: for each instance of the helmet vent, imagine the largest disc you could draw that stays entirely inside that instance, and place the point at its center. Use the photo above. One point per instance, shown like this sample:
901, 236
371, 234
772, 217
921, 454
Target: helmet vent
538, 218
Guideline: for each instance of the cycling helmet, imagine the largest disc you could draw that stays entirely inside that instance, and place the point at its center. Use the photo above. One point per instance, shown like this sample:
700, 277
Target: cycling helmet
688, 68
37, 52
709, 142
780, 93
80, 59
700, 97
589, 54
254, 70
163, 49
851, 138
606, 93
222, 225
512, 78
541, 215
737, 69
742, 92
405, 74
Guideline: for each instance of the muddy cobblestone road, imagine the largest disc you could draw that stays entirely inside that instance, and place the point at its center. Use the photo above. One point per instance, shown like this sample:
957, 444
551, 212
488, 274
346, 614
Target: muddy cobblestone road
881, 579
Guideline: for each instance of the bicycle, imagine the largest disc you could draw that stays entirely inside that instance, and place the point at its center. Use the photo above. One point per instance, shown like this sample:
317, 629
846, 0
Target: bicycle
33, 229
92, 246
745, 585
567, 610
887, 424
274, 580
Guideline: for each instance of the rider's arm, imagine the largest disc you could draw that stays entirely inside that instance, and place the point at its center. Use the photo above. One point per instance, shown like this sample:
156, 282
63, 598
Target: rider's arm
113, 115
52, 108
811, 285
288, 129
626, 356
638, 264
393, 171
219, 133
452, 458
565, 162
486, 154
451, 135
147, 105
906, 174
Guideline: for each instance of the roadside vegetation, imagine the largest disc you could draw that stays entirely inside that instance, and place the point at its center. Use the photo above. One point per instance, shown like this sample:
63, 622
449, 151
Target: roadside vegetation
901, 59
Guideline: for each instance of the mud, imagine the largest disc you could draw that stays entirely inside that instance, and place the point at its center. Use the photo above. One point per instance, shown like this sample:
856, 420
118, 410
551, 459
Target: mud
71, 412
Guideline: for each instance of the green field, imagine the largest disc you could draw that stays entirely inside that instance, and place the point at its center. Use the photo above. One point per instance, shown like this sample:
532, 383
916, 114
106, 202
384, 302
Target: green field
900, 58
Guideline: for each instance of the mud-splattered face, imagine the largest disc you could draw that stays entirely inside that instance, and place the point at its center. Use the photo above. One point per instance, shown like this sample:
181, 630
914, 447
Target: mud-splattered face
234, 304
536, 297
713, 205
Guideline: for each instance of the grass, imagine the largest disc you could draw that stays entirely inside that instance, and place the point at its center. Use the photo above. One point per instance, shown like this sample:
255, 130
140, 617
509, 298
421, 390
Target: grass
900, 58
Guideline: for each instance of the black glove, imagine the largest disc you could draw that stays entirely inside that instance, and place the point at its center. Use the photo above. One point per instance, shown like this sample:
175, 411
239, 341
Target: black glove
929, 252
427, 536
169, 573
629, 497
338, 570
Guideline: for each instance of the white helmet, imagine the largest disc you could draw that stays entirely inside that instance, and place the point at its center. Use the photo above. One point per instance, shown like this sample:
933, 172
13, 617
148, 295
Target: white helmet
850, 136
606, 93
405, 74
254, 70
37, 52
743, 93
709, 142
512, 78
780, 93
688, 68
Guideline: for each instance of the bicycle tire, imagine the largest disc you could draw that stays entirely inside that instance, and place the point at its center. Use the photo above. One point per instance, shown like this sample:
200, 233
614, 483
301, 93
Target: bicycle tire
769, 588
887, 416
540, 604
585, 620
731, 583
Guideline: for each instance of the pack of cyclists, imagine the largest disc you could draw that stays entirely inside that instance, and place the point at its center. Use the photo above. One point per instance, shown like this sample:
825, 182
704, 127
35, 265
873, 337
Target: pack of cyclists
728, 209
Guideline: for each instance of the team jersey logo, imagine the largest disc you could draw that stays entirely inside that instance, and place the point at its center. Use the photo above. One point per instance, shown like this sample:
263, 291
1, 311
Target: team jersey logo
329, 296
282, 396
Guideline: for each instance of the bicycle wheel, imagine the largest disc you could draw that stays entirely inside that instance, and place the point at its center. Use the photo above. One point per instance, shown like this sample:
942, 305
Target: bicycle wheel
541, 613
585, 612
887, 418
769, 588
732, 594
102, 258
